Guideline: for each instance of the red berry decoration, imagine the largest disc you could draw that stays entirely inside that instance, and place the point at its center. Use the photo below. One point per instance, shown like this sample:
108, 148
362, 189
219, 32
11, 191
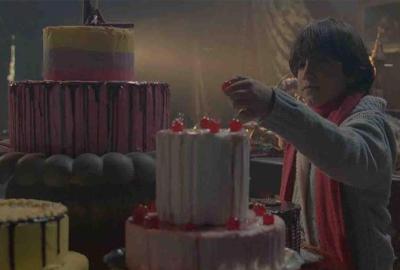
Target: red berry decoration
190, 227
139, 214
152, 207
177, 125
205, 122
268, 219
226, 84
151, 221
233, 224
235, 125
214, 126
259, 210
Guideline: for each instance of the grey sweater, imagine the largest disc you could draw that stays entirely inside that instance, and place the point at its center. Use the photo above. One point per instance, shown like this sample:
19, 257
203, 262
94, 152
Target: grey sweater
360, 153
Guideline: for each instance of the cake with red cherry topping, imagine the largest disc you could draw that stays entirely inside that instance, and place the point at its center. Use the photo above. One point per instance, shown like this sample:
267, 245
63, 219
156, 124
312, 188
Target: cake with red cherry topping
201, 218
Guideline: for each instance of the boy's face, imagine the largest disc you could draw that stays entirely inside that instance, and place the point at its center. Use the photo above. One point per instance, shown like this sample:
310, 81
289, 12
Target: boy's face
320, 79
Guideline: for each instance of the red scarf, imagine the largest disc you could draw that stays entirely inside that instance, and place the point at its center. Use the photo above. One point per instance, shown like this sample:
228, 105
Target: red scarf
329, 211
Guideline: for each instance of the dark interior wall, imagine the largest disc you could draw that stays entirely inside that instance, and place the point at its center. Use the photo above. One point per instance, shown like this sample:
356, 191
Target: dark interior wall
193, 45
25, 20
189, 44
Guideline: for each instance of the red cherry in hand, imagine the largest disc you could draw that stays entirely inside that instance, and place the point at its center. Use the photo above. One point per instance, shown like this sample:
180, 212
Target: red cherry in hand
235, 125
205, 122
151, 221
139, 214
259, 209
177, 125
268, 219
233, 224
190, 227
226, 84
214, 126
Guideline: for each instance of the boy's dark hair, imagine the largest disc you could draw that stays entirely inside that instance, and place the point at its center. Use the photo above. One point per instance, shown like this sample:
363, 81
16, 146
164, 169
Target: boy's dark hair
340, 42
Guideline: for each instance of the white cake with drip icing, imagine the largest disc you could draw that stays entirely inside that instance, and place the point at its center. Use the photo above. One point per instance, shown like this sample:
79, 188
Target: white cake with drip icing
202, 219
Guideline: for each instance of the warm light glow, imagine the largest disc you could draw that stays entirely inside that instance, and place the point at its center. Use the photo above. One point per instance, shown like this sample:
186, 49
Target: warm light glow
11, 66
372, 63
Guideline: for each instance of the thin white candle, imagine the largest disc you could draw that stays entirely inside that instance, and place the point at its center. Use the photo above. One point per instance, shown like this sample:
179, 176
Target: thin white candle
11, 66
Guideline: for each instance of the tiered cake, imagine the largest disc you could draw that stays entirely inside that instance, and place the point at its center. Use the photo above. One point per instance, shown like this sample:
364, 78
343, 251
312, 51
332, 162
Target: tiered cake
87, 108
34, 236
202, 219
88, 101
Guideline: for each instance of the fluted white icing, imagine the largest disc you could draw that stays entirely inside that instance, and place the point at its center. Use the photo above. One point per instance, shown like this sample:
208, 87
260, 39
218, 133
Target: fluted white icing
202, 178
255, 247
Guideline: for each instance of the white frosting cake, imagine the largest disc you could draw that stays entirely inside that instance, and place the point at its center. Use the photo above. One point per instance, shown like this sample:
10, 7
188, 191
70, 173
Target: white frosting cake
198, 171
203, 221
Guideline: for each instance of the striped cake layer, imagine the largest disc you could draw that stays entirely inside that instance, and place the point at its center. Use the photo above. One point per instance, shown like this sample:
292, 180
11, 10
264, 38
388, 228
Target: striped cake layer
88, 53
86, 117
75, 64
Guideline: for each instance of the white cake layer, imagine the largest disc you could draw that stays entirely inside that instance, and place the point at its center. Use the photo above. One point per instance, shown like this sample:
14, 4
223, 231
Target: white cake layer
202, 178
258, 247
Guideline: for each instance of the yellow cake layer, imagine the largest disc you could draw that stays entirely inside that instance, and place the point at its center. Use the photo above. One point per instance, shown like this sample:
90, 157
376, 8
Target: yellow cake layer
20, 210
90, 38
28, 245
34, 235
71, 261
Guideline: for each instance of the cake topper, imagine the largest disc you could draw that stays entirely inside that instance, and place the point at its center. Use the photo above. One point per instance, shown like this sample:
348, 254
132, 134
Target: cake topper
91, 15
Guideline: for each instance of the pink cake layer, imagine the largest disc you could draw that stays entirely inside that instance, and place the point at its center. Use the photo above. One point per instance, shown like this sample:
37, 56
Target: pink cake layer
257, 247
61, 64
64, 117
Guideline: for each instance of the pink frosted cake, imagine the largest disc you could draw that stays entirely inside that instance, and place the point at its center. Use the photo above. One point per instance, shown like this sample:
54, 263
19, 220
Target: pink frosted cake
202, 219
59, 117
88, 101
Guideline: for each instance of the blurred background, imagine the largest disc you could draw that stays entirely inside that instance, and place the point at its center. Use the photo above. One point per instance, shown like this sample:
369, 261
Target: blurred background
194, 45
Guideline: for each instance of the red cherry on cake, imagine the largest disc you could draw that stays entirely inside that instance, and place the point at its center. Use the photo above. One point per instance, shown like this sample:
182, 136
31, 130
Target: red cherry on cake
139, 214
177, 125
190, 227
235, 125
151, 221
214, 126
233, 224
205, 122
268, 219
259, 209
152, 207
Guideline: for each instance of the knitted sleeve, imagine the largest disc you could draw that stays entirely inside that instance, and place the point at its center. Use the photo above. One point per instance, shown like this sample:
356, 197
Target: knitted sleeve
359, 152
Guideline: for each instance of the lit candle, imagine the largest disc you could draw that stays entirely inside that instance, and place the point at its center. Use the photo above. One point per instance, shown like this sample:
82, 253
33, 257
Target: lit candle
11, 65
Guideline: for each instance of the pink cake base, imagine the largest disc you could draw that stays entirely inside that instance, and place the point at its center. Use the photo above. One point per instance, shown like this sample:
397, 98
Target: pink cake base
258, 247
63, 117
